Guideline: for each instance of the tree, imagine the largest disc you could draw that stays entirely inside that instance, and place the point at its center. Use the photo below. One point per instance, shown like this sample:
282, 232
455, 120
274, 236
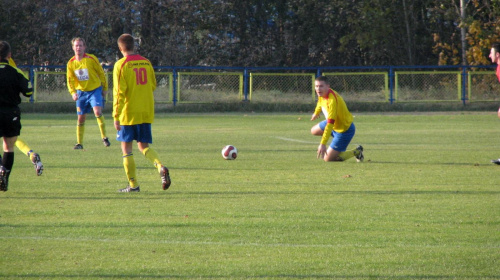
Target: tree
254, 32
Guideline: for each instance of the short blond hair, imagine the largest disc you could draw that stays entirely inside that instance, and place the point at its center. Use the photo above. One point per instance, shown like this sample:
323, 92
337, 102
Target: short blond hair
126, 42
78, 39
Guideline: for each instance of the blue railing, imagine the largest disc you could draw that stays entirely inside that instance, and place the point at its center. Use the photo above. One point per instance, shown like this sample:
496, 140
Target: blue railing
246, 71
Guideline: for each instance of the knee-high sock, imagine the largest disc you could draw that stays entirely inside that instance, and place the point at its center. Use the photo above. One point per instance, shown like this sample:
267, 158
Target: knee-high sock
8, 162
347, 154
130, 170
102, 126
80, 130
21, 145
153, 157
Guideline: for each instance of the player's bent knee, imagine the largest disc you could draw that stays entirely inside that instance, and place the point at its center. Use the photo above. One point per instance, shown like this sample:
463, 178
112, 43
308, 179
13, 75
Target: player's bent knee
315, 130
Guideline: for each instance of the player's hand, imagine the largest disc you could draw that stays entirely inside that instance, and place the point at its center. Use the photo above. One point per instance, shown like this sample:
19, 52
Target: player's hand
314, 117
74, 96
321, 151
104, 93
117, 126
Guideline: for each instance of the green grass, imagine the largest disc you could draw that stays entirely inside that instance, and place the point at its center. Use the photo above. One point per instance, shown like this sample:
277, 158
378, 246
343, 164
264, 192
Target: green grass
425, 204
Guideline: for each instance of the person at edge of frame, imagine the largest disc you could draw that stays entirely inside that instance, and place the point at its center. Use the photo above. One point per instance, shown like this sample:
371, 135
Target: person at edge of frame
23, 146
495, 58
12, 82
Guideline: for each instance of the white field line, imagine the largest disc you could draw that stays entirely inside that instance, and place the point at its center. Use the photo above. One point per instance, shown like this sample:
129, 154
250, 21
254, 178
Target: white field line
295, 140
49, 126
241, 244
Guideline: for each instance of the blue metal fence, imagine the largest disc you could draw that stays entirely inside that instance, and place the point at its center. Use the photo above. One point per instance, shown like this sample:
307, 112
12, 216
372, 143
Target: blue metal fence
464, 87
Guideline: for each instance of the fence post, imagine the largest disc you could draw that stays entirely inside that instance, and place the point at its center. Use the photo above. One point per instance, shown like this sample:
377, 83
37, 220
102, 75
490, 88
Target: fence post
391, 85
464, 84
245, 84
32, 80
174, 84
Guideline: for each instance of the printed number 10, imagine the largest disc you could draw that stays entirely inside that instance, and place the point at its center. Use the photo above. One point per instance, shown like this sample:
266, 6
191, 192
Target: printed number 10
141, 76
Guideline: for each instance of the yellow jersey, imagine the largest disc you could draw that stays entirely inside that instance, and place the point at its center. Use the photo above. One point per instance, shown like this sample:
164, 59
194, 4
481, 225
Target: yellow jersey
134, 82
11, 62
85, 75
336, 113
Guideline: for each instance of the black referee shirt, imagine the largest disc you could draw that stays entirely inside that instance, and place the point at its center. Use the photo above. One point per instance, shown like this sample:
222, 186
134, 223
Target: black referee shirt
12, 82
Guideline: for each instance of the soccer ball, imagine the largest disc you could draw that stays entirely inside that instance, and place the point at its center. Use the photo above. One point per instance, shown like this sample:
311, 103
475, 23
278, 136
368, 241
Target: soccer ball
229, 152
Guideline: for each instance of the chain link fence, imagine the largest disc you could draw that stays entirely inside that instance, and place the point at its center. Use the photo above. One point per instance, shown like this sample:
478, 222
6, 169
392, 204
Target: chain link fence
207, 85
428, 86
50, 86
282, 87
362, 86
483, 86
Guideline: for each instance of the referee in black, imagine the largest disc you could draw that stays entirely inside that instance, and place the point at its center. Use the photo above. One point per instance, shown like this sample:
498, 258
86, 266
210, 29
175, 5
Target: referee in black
12, 83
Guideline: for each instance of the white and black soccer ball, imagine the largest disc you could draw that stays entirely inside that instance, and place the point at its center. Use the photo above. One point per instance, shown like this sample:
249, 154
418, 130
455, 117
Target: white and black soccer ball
229, 152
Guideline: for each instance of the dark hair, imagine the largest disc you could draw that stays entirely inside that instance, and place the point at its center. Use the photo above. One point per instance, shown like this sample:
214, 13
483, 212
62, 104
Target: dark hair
496, 46
4, 49
322, 79
126, 41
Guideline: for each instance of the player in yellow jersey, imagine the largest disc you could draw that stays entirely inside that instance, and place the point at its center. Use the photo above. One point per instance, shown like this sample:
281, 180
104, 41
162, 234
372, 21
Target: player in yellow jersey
23, 146
87, 86
338, 124
12, 82
133, 110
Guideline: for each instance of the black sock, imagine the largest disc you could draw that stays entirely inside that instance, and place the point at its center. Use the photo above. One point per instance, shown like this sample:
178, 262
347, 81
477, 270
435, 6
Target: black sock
8, 161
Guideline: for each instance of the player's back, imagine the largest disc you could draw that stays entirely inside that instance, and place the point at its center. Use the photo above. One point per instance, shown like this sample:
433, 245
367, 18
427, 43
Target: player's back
134, 83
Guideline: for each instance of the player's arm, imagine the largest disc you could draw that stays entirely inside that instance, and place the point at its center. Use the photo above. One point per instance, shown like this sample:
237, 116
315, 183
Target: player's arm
317, 111
25, 86
70, 79
119, 89
152, 78
330, 121
100, 72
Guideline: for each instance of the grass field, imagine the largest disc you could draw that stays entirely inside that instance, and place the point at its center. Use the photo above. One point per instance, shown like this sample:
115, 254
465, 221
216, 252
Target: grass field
425, 204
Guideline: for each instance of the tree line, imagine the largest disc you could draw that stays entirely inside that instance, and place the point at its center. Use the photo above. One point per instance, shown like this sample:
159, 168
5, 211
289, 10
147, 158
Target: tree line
257, 33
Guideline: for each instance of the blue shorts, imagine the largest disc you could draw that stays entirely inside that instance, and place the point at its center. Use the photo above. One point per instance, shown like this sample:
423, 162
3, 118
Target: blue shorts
340, 140
138, 132
88, 100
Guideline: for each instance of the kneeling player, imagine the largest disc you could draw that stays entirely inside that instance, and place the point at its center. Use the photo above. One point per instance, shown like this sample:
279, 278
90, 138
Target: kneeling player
338, 124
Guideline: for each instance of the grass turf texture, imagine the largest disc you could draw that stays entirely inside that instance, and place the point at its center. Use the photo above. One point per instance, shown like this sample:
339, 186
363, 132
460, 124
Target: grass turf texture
423, 205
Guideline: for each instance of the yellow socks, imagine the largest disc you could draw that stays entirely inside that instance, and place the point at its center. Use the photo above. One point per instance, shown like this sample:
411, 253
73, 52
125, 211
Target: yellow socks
102, 126
130, 170
80, 130
153, 157
346, 155
21, 145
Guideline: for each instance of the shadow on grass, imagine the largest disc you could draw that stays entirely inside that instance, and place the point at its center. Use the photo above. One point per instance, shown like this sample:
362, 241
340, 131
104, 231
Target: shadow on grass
147, 196
232, 276
430, 163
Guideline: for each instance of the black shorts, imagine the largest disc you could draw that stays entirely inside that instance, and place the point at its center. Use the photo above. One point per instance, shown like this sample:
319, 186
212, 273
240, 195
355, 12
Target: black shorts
10, 122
